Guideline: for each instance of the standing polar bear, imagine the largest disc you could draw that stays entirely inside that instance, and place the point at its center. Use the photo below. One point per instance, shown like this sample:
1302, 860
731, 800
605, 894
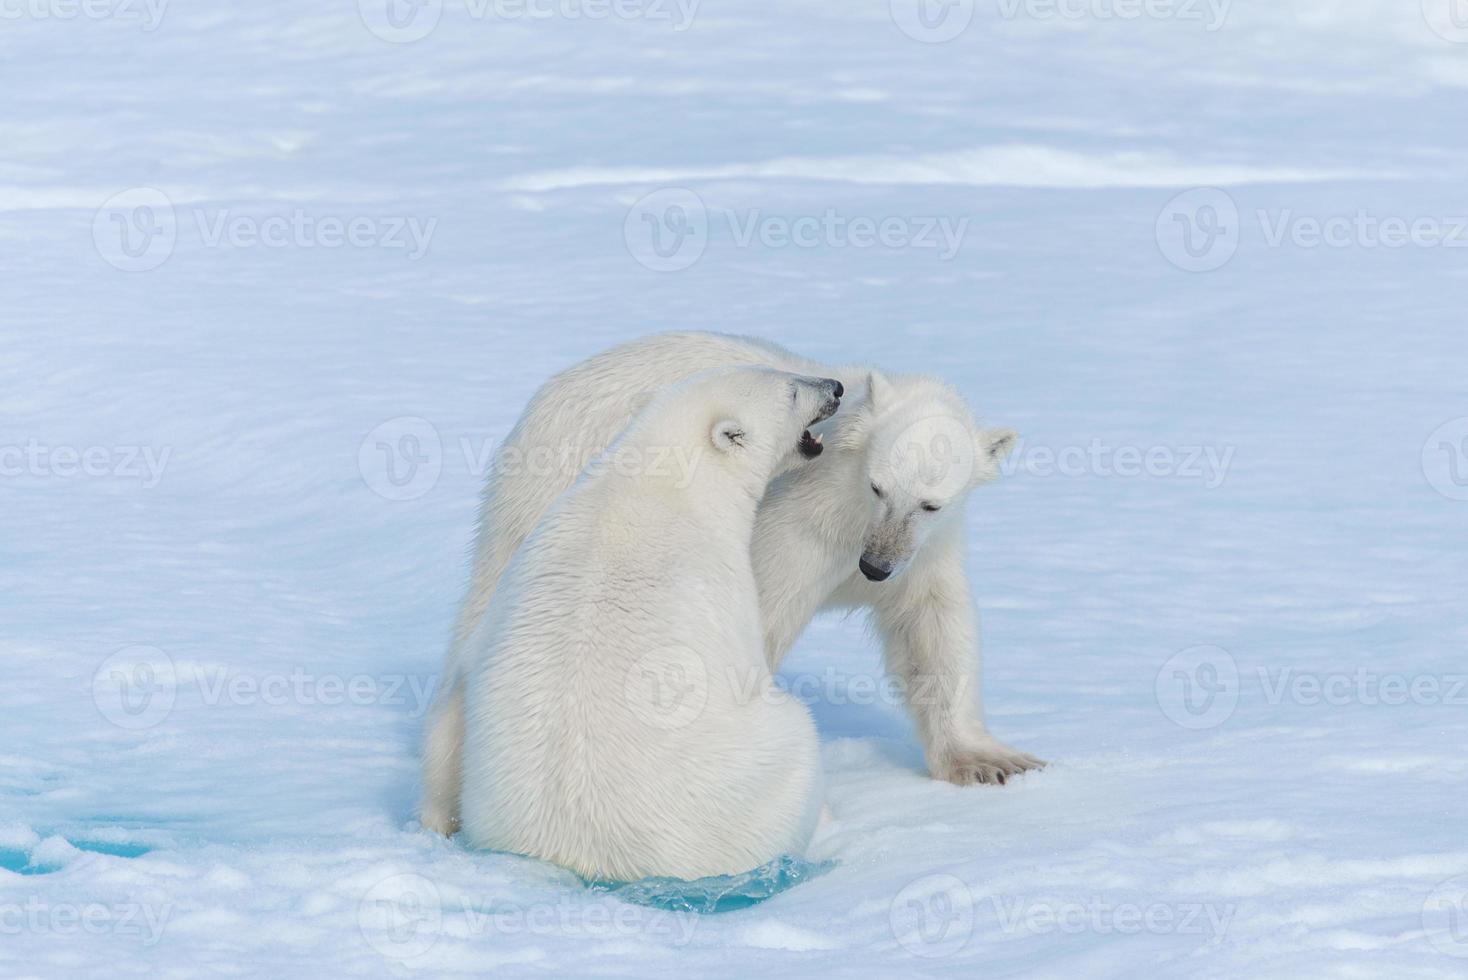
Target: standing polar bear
877, 524
606, 723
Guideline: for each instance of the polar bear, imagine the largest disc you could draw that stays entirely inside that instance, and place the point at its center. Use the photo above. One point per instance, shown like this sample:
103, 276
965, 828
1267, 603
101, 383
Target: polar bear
608, 721
878, 524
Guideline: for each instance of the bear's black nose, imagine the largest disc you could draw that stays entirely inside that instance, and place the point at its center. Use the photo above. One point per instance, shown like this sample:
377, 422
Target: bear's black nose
839, 390
873, 571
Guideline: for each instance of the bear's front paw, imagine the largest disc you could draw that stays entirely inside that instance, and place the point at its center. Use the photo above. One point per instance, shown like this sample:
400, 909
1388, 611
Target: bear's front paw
991, 763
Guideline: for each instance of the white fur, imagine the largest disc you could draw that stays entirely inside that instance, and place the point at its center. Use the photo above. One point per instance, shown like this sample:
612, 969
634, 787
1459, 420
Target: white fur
813, 526
616, 712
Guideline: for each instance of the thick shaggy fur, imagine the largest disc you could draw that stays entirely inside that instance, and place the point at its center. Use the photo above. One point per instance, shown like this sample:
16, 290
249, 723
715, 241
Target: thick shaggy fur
813, 528
617, 717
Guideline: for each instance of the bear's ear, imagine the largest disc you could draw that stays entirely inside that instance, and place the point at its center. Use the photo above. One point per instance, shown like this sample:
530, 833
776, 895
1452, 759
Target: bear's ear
879, 391
994, 445
728, 435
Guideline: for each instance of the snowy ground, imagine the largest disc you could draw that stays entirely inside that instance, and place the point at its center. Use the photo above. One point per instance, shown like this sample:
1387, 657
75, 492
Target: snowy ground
1228, 604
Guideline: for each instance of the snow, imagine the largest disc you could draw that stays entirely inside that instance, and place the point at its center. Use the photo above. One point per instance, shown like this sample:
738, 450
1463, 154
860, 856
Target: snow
223, 617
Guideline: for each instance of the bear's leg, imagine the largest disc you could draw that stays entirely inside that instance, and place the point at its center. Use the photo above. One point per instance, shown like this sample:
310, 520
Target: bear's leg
929, 628
442, 747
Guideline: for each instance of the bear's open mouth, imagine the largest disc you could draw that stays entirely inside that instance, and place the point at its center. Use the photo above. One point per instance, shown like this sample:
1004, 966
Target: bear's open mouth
810, 446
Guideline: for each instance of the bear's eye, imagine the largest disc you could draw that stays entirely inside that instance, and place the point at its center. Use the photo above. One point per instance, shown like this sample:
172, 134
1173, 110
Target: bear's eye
929, 507
876, 490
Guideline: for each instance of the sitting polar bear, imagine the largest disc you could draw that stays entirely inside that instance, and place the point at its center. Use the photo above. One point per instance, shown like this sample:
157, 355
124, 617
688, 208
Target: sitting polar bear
607, 721
876, 524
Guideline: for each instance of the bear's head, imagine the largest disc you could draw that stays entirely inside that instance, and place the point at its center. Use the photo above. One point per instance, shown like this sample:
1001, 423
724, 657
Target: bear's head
923, 453
751, 422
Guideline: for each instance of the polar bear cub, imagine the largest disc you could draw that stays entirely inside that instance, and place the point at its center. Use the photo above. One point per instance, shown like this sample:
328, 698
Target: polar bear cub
619, 718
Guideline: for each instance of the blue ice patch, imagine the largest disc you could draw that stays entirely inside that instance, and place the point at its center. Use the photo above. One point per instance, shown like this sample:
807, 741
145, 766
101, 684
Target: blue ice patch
24, 862
17, 861
720, 893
